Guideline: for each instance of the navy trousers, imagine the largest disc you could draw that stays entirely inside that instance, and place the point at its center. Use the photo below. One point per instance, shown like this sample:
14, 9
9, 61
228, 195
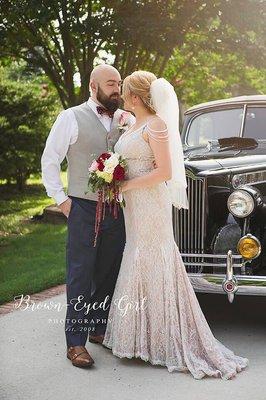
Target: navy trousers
91, 271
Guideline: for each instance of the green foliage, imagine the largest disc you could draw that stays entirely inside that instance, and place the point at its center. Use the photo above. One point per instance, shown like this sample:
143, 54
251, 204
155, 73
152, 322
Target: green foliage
32, 254
201, 74
26, 114
34, 262
68, 37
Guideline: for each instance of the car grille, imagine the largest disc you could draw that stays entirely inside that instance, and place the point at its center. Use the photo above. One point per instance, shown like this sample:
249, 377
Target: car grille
189, 225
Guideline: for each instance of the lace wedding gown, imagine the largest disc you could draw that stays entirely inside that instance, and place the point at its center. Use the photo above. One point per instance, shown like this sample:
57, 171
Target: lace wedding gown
154, 313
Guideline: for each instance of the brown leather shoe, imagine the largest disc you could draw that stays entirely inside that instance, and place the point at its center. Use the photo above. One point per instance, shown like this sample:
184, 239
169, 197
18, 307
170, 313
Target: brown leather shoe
96, 339
79, 356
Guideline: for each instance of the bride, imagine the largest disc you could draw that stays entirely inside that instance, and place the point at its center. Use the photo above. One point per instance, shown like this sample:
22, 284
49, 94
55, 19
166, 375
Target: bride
155, 314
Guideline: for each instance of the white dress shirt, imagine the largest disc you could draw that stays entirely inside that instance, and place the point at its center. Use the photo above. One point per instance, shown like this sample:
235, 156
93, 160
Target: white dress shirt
64, 132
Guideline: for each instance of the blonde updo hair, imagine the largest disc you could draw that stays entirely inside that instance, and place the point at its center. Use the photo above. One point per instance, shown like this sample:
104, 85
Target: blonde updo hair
139, 83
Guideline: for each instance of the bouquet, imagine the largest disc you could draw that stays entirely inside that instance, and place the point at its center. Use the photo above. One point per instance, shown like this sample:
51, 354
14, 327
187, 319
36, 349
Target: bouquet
106, 174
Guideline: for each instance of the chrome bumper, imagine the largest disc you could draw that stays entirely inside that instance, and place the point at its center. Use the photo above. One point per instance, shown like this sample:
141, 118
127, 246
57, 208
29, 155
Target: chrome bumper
226, 283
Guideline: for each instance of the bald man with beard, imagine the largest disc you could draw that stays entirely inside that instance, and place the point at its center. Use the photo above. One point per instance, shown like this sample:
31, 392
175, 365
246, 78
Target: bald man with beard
79, 133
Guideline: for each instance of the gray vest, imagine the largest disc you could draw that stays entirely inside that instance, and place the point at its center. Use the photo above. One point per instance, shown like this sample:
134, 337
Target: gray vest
93, 139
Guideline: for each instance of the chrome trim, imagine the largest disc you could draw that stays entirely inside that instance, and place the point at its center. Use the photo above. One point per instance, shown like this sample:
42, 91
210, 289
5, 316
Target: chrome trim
208, 255
224, 171
262, 173
243, 121
252, 285
238, 260
190, 225
230, 283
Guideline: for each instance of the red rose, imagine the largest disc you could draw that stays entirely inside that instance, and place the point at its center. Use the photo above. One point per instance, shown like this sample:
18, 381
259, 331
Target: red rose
103, 157
119, 173
100, 166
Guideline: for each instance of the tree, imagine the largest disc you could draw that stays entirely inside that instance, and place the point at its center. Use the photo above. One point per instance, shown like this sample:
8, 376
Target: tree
66, 37
26, 113
202, 74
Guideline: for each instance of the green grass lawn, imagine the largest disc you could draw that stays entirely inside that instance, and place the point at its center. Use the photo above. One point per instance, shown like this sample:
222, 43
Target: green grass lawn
32, 254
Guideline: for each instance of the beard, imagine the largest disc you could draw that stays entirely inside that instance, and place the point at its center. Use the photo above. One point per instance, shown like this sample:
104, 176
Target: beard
111, 102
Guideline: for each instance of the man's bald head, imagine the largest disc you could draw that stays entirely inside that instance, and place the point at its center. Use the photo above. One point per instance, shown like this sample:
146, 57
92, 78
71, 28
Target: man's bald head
102, 71
105, 86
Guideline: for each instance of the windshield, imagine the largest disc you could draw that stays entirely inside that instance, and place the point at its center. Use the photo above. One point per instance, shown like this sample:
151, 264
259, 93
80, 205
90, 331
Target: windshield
255, 123
227, 123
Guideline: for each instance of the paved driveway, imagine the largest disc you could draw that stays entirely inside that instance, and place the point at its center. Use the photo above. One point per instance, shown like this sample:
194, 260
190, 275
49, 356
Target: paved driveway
33, 364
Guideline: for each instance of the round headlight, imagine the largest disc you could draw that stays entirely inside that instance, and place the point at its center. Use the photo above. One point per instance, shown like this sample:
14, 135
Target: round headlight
240, 203
249, 247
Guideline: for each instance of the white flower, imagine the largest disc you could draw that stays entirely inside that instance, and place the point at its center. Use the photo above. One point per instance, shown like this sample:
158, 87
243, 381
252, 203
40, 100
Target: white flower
111, 163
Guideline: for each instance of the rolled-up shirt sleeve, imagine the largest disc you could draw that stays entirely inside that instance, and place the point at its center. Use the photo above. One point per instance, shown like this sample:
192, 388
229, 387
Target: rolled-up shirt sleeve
64, 132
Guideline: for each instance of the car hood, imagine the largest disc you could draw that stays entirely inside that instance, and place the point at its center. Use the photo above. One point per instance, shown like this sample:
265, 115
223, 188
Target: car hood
200, 160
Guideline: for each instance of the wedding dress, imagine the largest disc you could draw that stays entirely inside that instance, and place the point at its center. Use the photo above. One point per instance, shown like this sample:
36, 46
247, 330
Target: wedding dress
154, 313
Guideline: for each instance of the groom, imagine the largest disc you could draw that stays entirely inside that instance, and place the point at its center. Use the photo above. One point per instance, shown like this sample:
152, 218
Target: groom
80, 134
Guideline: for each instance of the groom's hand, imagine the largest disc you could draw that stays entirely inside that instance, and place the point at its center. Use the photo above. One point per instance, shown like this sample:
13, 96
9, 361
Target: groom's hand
65, 207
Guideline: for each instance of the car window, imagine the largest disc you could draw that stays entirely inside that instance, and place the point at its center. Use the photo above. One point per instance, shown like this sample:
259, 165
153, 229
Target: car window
214, 125
255, 123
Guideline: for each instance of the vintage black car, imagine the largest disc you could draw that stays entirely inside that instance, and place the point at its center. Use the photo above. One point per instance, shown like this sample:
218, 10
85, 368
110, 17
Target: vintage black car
222, 237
